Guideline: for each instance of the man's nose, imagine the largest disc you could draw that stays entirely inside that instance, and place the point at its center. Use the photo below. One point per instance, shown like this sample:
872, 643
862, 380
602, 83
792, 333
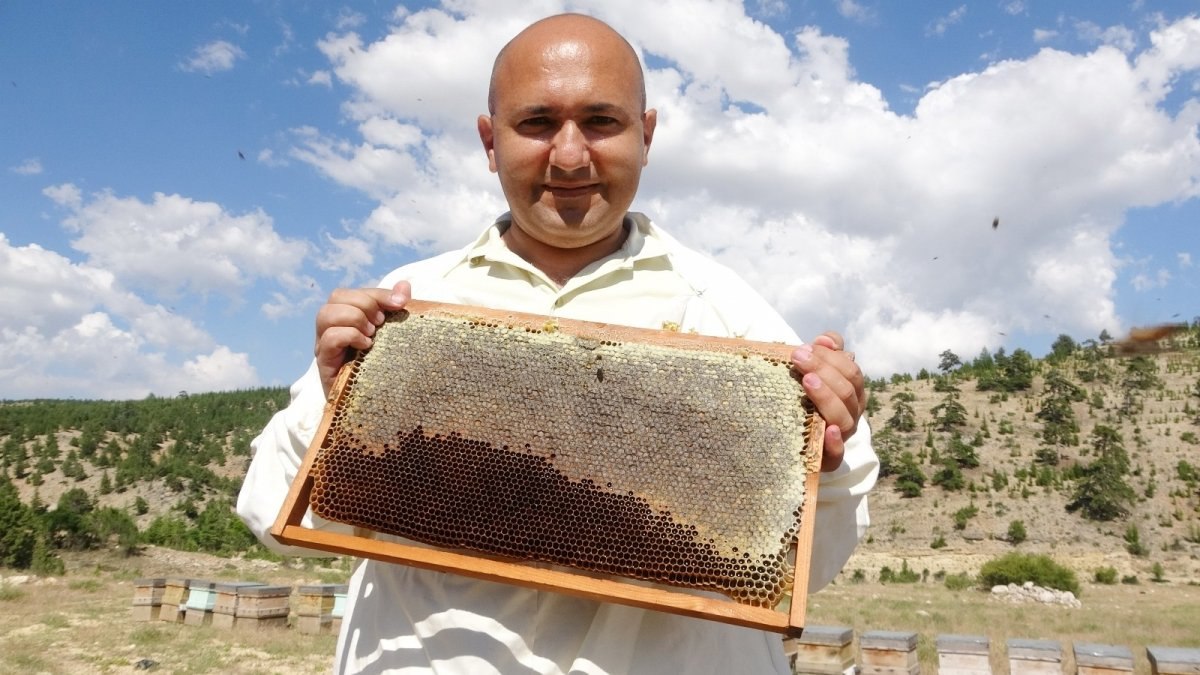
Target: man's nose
570, 149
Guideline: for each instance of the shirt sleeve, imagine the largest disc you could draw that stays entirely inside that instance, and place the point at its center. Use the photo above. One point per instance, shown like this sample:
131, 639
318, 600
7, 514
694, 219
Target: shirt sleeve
842, 515
277, 454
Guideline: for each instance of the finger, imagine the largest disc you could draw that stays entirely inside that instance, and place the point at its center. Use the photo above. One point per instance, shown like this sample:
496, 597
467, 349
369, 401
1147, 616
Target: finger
830, 339
345, 315
401, 294
833, 450
370, 302
838, 409
333, 348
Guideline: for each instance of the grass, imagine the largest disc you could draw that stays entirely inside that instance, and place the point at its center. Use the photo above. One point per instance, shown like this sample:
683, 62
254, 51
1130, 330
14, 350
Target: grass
1112, 614
82, 623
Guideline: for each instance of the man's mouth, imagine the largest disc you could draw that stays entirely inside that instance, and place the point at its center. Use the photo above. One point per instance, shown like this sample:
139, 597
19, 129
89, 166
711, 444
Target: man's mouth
572, 191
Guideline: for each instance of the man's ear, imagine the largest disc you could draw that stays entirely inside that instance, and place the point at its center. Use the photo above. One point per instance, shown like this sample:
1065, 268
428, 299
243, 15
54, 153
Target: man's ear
488, 137
649, 121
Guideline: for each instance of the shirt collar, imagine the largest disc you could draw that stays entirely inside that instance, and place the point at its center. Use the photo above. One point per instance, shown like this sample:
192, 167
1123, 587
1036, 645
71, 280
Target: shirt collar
642, 243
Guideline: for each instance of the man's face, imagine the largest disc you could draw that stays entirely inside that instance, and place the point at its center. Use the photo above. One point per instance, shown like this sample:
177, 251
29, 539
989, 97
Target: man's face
568, 139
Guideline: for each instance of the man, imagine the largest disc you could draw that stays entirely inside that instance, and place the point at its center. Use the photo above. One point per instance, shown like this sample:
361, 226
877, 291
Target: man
568, 134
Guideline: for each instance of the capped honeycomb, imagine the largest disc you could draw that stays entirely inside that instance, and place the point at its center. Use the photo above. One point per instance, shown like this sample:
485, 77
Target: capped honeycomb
679, 460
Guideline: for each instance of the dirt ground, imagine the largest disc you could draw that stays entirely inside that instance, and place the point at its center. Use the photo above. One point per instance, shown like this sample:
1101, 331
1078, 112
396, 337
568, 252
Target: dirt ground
81, 623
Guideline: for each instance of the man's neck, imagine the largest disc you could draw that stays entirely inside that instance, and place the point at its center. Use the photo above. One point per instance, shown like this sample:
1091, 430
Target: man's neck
561, 264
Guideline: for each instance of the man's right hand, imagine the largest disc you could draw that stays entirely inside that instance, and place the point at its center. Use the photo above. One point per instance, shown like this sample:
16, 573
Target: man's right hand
348, 321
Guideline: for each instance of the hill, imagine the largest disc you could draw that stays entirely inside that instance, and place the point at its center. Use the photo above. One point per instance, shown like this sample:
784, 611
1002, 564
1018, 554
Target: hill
1086, 456
1009, 439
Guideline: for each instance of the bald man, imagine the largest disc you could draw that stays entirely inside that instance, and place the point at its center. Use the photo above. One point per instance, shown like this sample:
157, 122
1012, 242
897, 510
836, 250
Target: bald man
567, 134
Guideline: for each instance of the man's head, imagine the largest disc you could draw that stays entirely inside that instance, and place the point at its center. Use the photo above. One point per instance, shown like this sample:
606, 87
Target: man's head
568, 133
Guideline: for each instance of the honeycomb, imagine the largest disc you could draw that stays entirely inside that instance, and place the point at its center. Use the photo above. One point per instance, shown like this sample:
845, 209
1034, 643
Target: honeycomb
528, 441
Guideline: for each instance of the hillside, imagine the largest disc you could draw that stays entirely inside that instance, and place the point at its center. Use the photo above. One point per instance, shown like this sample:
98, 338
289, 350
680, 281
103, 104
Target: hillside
1150, 400
975, 433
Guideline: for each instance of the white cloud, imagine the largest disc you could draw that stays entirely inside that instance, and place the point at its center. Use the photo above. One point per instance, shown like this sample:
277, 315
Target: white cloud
775, 157
1114, 36
214, 57
854, 11
30, 167
1143, 282
943, 23
1043, 35
70, 329
182, 244
348, 19
349, 255
267, 156
1014, 7
321, 77
1185, 260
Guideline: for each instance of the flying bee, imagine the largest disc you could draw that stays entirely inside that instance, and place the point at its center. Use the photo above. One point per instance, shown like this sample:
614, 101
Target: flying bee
1146, 340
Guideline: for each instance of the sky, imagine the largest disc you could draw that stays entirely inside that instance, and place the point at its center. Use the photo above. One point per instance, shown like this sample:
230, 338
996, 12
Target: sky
183, 184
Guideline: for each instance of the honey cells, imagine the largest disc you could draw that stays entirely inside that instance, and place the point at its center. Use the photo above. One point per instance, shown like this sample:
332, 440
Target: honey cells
671, 465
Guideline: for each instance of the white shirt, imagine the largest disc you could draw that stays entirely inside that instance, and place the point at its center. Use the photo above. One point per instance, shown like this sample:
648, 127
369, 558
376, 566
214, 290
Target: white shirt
406, 620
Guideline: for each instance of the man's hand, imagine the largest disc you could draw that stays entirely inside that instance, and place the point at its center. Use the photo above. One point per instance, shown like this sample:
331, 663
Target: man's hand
348, 321
834, 383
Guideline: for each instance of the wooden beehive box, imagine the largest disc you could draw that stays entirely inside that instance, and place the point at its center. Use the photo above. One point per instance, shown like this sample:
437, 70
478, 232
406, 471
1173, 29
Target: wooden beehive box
224, 608
315, 607
174, 600
262, 606
147, 598
202, 595
614, 453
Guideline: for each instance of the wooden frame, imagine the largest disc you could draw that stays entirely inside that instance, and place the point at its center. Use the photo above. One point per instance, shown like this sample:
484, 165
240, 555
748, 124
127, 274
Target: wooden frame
787, 619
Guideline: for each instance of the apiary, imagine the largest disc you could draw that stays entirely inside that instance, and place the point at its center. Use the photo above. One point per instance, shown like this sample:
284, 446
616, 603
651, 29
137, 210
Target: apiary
339, 608
262, 607
616, 453
886, 652
1034, 657
202, 595
823, 650
147, 598
174, 600
1098, 659
964, 655
1173, 660
316, 605
224, 611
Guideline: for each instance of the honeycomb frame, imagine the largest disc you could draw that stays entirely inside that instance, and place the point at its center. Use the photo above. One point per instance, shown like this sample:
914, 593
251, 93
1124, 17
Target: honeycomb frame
511, 481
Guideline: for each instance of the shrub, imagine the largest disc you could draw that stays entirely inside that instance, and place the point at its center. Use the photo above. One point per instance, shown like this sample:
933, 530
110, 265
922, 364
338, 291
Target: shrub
940, 542
1016, 532
1133, 542
959, 582
906, 575
1130, 579
1105, 575
1017, 568
964, 515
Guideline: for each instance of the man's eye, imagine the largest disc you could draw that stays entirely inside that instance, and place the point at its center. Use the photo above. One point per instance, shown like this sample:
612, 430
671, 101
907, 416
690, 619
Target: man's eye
535, 123
602, 121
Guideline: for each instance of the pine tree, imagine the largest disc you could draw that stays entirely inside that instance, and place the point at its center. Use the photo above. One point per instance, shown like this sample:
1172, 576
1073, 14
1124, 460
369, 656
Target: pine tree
18, 528
1101, 491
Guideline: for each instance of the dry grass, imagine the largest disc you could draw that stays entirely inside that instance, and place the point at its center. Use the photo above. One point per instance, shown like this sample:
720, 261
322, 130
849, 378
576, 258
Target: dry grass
81, 623
1133, 616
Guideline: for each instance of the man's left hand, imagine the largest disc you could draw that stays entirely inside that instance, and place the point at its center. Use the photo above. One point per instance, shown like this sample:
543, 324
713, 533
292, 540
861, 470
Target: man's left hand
834, 383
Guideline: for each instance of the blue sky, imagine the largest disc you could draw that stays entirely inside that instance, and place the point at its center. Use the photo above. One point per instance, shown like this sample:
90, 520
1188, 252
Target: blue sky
847, 157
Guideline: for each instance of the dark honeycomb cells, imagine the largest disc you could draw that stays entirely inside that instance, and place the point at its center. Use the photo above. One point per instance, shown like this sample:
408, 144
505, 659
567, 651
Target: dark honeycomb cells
677, 466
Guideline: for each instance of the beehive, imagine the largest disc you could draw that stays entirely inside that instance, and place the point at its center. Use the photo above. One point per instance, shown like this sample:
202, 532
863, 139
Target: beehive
650, 455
